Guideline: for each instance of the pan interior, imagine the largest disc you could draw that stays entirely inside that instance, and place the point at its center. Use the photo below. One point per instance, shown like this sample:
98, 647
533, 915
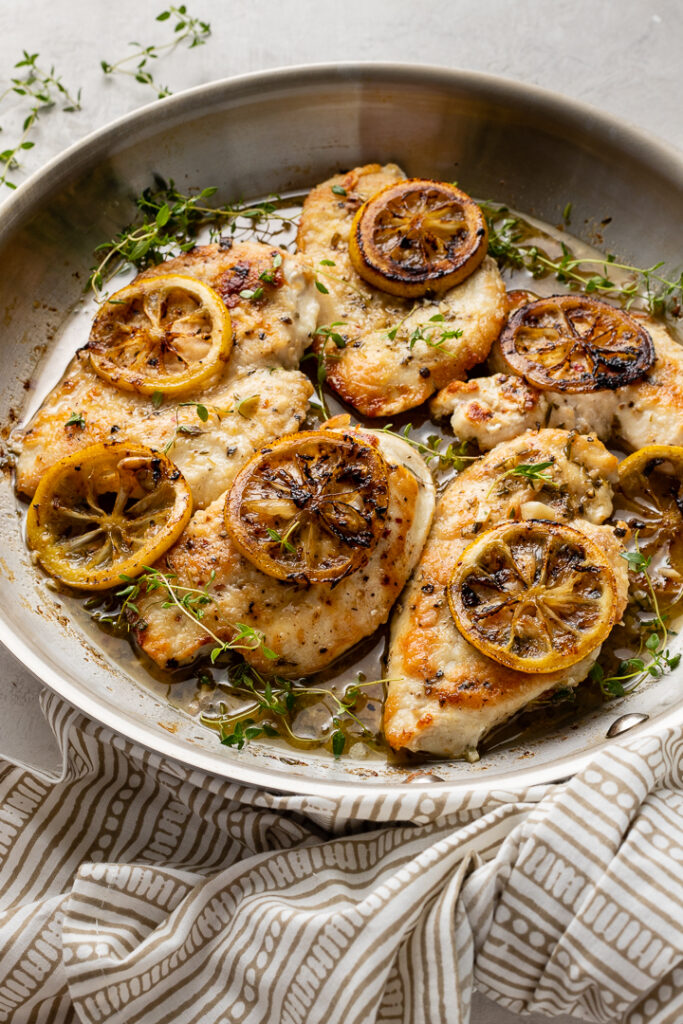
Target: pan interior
277, 133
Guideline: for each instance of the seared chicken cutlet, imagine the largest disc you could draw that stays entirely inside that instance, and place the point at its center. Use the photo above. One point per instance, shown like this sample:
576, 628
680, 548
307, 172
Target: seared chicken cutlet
493, 409
445, 694
398, 351
258, 395
308, 625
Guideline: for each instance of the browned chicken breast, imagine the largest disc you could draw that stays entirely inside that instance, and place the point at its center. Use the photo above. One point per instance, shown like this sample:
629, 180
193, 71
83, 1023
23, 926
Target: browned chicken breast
386, 367
307, 625
493, 409
260, 393
444, 694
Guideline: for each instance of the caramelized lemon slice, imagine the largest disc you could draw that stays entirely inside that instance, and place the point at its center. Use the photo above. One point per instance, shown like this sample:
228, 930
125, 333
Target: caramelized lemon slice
165, 334
651, 503
417, 236
311, 507
535, 596
105, 511
574, 343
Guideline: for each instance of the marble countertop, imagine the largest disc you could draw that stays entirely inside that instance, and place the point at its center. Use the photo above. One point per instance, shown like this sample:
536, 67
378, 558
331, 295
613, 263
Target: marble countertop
623, 56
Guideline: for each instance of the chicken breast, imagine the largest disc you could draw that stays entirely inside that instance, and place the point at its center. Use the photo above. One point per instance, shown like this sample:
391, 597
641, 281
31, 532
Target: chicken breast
385, 368
260, 394
307, 625
493, 409
445, 695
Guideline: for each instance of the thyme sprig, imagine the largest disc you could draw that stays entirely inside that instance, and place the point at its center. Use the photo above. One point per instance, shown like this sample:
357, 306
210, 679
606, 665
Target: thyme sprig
430, 332
170, 222
275, 702
191, 601
43, 90
453, 456
533, 471
188, 429
194, 31
507, 233
653, 643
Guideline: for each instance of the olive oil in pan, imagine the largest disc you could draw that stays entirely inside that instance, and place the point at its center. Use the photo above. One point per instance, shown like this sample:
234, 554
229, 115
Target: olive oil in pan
206, 691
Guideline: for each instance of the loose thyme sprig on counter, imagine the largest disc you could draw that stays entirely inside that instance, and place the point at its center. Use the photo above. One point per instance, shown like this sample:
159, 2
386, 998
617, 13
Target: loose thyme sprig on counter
194, 31
633, 671
170, 223
506, 244
43, 90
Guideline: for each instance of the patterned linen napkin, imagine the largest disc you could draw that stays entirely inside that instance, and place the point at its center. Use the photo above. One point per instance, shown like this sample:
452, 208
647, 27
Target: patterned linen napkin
137, 891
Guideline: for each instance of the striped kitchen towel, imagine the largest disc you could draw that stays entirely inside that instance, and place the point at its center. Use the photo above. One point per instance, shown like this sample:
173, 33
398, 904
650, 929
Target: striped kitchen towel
137, 891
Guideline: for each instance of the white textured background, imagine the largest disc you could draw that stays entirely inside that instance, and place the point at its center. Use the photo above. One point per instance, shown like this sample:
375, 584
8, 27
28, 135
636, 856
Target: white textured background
624, 56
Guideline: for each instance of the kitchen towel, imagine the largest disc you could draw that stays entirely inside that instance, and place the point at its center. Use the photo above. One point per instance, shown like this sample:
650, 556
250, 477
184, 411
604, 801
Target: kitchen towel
137, 891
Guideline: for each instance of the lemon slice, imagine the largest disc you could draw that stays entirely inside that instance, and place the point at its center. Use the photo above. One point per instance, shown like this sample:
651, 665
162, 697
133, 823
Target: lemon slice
534, 596
651, 503
166, 334
573, 343
417, 236
310, 507
106, 511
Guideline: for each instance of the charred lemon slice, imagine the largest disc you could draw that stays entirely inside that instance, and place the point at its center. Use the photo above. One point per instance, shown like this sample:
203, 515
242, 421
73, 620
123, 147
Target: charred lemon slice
534, 596
651, 503
417, 236
165, 334
573, 343
311, 507
105, 511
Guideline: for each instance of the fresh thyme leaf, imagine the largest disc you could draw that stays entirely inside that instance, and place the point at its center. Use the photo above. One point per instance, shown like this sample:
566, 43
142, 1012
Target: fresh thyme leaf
76, 419
279, 539
339, 190
330, 333
636, 560
252, 293
321, 287
338, 742
157, 399
328, 263
194, 31
246, 407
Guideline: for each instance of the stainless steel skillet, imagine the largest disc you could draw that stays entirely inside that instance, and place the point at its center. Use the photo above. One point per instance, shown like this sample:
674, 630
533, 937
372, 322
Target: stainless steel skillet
277, 131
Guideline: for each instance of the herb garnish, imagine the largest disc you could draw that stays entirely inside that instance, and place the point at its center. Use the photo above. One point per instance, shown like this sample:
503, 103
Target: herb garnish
506, 245
653, 643
427, 332
451, 457
188, 429
275, 703
191, 601
170, 223
185, 28
533, 471
43, 90
76, 419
